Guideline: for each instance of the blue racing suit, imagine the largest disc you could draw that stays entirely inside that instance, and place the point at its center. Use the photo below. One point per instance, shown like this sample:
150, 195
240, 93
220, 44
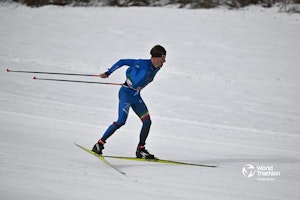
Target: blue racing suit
139, 74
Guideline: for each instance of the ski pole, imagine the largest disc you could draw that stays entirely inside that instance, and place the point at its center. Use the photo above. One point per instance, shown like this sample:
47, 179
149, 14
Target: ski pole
54, 73
75, 81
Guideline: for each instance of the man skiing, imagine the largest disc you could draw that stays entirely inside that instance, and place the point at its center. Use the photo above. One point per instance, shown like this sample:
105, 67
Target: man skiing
139, 74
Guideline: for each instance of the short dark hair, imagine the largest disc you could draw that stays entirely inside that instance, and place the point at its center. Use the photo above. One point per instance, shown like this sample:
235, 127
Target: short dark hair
158, 51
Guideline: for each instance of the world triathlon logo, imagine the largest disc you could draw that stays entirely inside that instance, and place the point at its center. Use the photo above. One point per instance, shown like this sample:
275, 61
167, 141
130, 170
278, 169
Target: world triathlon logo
248, 170
261, 172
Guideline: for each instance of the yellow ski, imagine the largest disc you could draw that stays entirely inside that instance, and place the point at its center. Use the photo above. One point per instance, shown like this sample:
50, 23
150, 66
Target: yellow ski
160, 161
101, 158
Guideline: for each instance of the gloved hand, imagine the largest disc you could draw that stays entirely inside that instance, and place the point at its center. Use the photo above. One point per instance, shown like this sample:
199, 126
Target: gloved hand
104, 75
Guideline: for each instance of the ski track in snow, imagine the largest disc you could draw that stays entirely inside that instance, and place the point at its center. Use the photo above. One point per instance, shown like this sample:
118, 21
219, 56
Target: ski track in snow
227, 95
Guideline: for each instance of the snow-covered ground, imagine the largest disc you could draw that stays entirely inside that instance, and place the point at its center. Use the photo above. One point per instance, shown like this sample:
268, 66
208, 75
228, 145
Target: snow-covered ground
228, 95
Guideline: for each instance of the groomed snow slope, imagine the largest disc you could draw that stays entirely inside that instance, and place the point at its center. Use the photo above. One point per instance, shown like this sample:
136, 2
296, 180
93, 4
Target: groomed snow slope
228, 95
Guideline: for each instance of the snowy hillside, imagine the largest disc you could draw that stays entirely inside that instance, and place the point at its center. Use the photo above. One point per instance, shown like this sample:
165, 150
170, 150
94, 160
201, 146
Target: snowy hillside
227, 95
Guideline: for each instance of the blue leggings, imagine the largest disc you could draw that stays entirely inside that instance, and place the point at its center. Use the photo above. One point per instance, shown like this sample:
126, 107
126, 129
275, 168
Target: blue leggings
130, 98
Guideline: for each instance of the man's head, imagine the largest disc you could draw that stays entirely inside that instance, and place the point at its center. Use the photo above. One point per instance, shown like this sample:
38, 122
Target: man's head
158, 56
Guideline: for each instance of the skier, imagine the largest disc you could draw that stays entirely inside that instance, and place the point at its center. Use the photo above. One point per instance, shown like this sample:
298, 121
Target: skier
140, 73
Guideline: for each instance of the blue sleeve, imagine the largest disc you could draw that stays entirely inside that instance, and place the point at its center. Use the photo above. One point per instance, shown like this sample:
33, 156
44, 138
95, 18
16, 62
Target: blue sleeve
120, 63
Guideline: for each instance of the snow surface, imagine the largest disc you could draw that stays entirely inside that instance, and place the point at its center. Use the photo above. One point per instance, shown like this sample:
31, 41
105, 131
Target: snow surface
228, 95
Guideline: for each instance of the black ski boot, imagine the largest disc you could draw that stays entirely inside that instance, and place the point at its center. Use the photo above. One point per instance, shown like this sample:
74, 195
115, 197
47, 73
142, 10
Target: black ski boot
141, 152
98, 147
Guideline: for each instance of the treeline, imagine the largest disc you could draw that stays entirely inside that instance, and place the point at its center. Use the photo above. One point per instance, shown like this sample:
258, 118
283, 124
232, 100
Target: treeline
192, 4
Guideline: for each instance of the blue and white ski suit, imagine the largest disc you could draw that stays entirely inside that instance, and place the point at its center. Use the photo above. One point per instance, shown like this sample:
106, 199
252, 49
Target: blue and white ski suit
138, 75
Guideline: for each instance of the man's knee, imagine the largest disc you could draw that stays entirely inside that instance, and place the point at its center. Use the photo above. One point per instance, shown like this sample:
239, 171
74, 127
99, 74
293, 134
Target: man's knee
147, 122
118, 124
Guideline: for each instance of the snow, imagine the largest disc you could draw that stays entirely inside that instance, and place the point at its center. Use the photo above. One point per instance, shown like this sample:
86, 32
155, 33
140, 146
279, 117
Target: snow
227, 95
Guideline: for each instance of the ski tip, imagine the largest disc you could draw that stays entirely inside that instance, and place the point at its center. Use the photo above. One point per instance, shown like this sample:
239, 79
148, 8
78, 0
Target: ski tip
8, 70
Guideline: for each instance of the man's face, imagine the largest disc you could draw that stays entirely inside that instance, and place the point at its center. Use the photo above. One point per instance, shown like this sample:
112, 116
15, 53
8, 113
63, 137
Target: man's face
158, 61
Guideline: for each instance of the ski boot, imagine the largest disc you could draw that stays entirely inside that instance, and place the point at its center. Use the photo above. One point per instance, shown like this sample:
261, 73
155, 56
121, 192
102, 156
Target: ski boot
98, 147
141, 152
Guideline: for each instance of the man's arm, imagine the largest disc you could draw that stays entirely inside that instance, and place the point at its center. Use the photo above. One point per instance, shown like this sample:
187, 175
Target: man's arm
117, 65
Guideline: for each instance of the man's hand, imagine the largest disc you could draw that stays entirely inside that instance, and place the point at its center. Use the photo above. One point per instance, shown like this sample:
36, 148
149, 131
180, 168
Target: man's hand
104, 75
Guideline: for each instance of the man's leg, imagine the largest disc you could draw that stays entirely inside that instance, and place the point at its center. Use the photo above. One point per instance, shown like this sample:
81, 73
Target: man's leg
123, 114
142, 111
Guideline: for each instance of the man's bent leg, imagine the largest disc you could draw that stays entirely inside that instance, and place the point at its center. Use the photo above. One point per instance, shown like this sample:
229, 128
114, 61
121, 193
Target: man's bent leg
123, 114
